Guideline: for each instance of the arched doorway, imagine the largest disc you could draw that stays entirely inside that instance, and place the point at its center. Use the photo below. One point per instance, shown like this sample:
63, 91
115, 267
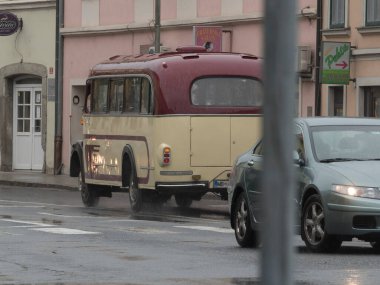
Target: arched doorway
27, 123
22, 87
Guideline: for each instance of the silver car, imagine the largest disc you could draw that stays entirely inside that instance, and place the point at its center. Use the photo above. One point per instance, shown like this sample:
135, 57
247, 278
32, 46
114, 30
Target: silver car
337, 162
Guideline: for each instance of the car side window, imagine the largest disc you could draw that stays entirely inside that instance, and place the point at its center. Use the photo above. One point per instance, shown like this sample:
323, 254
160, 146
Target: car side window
258, 150
300, 147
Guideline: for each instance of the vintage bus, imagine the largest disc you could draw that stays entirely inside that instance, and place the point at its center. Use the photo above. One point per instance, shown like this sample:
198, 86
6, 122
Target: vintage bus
169, 124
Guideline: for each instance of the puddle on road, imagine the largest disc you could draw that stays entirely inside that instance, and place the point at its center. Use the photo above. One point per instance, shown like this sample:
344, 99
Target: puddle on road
54, 222
134, 258
6, 216
227, 281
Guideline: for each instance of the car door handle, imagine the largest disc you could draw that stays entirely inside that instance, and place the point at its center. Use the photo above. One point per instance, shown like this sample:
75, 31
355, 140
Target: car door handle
251, 163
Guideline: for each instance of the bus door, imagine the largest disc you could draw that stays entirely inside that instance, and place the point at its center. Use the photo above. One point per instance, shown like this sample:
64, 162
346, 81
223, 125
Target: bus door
210, 141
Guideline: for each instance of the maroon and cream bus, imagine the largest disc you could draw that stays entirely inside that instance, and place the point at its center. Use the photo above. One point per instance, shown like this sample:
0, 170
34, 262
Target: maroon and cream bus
169, 124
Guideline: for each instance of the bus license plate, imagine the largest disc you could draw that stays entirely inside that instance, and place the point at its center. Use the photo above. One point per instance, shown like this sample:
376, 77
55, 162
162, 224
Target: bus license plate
220, 183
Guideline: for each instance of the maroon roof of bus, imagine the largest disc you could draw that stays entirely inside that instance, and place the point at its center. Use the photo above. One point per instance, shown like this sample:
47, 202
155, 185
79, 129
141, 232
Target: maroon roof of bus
173, 73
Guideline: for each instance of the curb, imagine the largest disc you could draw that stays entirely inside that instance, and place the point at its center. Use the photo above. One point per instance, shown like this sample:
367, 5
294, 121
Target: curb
208, 196
37, 185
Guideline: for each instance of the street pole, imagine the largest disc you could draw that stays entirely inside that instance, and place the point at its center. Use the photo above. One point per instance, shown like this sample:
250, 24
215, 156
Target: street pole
278, 178
157, 24
58, 88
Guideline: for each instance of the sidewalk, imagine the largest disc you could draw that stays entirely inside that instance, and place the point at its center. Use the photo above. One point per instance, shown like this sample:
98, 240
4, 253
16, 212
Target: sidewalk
38, 179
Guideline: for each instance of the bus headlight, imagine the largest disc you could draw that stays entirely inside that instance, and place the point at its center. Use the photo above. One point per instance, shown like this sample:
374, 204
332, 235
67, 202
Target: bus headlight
357, 191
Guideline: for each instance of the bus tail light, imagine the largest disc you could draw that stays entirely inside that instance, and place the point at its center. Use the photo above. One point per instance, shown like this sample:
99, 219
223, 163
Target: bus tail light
166, 155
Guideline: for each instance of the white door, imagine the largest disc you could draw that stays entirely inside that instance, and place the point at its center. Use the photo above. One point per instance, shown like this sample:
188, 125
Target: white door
27, 149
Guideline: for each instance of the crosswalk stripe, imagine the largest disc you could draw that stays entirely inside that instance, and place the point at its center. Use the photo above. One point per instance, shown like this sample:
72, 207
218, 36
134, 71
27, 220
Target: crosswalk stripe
26, 222
64, 231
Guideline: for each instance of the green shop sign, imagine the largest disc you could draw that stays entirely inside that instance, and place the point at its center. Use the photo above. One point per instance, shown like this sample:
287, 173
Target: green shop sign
336, 63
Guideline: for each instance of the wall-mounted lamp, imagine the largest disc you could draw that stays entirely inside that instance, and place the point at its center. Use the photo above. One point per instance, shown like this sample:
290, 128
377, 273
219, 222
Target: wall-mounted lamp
353, 81
76, 100
309, 13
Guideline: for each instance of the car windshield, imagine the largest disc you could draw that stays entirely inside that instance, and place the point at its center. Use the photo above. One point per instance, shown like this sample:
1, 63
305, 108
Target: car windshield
344, 143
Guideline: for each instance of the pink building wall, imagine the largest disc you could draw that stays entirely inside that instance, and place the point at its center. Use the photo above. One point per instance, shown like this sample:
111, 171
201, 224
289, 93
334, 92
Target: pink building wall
73, 13
82, 51
250, 6
113, 12
168, 10
209, 8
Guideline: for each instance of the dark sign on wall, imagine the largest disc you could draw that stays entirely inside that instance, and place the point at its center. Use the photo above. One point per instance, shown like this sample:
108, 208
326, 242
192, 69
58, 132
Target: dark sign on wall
9, 23
209, 37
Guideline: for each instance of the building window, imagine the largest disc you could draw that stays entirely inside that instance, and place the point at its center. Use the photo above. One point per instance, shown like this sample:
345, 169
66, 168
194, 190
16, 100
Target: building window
337, 14
372, 13
336, 101
372, 102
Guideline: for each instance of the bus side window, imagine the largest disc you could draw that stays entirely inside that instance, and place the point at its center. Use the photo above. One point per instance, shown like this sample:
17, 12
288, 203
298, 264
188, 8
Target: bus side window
145, 96
116, 95
100, 98
132, 95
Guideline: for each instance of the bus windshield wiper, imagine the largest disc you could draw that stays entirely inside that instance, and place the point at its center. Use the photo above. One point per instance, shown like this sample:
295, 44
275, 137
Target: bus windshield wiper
339, 159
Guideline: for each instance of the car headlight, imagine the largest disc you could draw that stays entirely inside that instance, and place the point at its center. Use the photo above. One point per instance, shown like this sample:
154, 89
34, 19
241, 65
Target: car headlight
357, 191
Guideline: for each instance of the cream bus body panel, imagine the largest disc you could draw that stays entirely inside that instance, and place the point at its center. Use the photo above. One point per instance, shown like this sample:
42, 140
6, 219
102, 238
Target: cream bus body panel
245, 130
203, 146
104, 140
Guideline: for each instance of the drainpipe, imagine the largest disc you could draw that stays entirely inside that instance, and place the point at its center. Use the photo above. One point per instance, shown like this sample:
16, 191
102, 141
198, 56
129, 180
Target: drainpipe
318, 60
157, 24
58, 88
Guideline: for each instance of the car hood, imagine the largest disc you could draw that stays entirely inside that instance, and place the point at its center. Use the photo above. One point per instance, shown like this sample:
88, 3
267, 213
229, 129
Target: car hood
360, 173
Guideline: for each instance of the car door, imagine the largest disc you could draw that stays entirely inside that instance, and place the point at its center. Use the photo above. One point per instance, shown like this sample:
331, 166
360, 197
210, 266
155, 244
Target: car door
300, 168
252, 178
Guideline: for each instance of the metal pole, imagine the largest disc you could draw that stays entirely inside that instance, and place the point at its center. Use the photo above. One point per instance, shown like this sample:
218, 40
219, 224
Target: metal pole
317, 108
157, 25
58, 88
278, 180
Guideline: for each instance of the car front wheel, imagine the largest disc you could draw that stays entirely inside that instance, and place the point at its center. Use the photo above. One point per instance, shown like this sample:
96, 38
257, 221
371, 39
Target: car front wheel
244, 234
313, 227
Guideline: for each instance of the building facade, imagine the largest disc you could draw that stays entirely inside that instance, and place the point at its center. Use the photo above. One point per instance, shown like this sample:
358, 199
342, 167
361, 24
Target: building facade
356, 22
95, 30
27, 72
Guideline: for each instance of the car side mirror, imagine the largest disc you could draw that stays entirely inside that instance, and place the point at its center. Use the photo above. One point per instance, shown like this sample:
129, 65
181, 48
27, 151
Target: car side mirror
297, 159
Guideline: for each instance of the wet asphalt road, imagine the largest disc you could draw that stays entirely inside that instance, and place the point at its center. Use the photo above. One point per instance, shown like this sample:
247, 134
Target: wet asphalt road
48, 237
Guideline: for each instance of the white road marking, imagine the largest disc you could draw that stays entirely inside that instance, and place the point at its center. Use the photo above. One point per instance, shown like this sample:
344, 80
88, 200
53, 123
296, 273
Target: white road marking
67, 216
148, 231
11, 234
64, 231
18, 206
36, 203
204, 228
26, 222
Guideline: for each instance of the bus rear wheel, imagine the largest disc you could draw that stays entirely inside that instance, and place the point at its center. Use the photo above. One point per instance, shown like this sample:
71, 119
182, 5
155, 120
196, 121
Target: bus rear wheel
183, 201
88, 193
135, 194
